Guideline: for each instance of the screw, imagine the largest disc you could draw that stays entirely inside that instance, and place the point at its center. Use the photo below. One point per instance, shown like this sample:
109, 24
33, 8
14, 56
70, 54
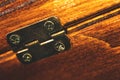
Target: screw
49, 25
15, 39
27, 57
59, 46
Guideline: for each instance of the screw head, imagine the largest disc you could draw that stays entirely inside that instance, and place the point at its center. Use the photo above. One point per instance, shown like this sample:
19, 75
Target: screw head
49, 25
27, 57
59, 46
15, 39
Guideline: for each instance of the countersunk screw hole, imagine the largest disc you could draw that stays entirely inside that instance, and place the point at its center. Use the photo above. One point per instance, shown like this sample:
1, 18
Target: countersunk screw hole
59, 46
15, 39
49, 25
27, 57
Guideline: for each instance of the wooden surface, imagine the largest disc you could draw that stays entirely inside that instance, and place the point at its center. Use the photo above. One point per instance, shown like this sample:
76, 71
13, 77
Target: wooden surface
95, 52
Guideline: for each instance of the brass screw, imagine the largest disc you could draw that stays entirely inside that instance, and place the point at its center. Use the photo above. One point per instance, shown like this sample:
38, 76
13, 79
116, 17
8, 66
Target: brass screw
59, 46
15, 39
49, 25
27, 57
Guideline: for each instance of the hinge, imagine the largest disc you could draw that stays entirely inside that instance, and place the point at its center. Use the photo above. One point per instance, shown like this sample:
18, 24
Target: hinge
39, 40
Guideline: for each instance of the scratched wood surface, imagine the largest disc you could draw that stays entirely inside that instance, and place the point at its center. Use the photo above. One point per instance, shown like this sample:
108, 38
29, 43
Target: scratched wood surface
95, 52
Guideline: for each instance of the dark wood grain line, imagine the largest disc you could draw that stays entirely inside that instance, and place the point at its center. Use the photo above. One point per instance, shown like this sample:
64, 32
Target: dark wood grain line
93, 15
95, 21
104, 31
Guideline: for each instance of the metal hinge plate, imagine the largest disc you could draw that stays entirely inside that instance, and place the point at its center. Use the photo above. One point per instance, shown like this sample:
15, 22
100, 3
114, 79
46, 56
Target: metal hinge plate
39, 40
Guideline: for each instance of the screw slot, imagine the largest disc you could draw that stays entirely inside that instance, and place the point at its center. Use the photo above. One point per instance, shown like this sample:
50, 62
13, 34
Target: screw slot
27, 57
59, 46
15, 39
49, 25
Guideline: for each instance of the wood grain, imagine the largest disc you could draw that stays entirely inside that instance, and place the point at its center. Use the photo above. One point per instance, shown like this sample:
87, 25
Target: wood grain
89, 58
70, 10
95, 51
107, 30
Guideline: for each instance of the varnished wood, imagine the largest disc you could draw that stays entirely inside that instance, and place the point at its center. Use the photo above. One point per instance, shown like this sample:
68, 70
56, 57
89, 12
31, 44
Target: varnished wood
95, 51
90, 58
107, 30
67, 11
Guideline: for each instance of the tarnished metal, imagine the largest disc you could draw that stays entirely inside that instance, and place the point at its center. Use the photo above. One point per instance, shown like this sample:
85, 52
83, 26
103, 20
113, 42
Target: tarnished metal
39, 40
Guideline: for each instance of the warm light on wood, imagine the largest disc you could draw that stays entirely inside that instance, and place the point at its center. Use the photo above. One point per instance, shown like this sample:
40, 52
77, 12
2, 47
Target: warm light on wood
95, 51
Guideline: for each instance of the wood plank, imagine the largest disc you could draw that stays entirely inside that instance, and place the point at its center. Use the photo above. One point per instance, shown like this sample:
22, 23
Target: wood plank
107, 30
89, 58
67, 11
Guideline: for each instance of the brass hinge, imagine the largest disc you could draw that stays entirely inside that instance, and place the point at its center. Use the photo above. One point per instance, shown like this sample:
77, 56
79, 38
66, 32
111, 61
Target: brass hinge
39, 40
